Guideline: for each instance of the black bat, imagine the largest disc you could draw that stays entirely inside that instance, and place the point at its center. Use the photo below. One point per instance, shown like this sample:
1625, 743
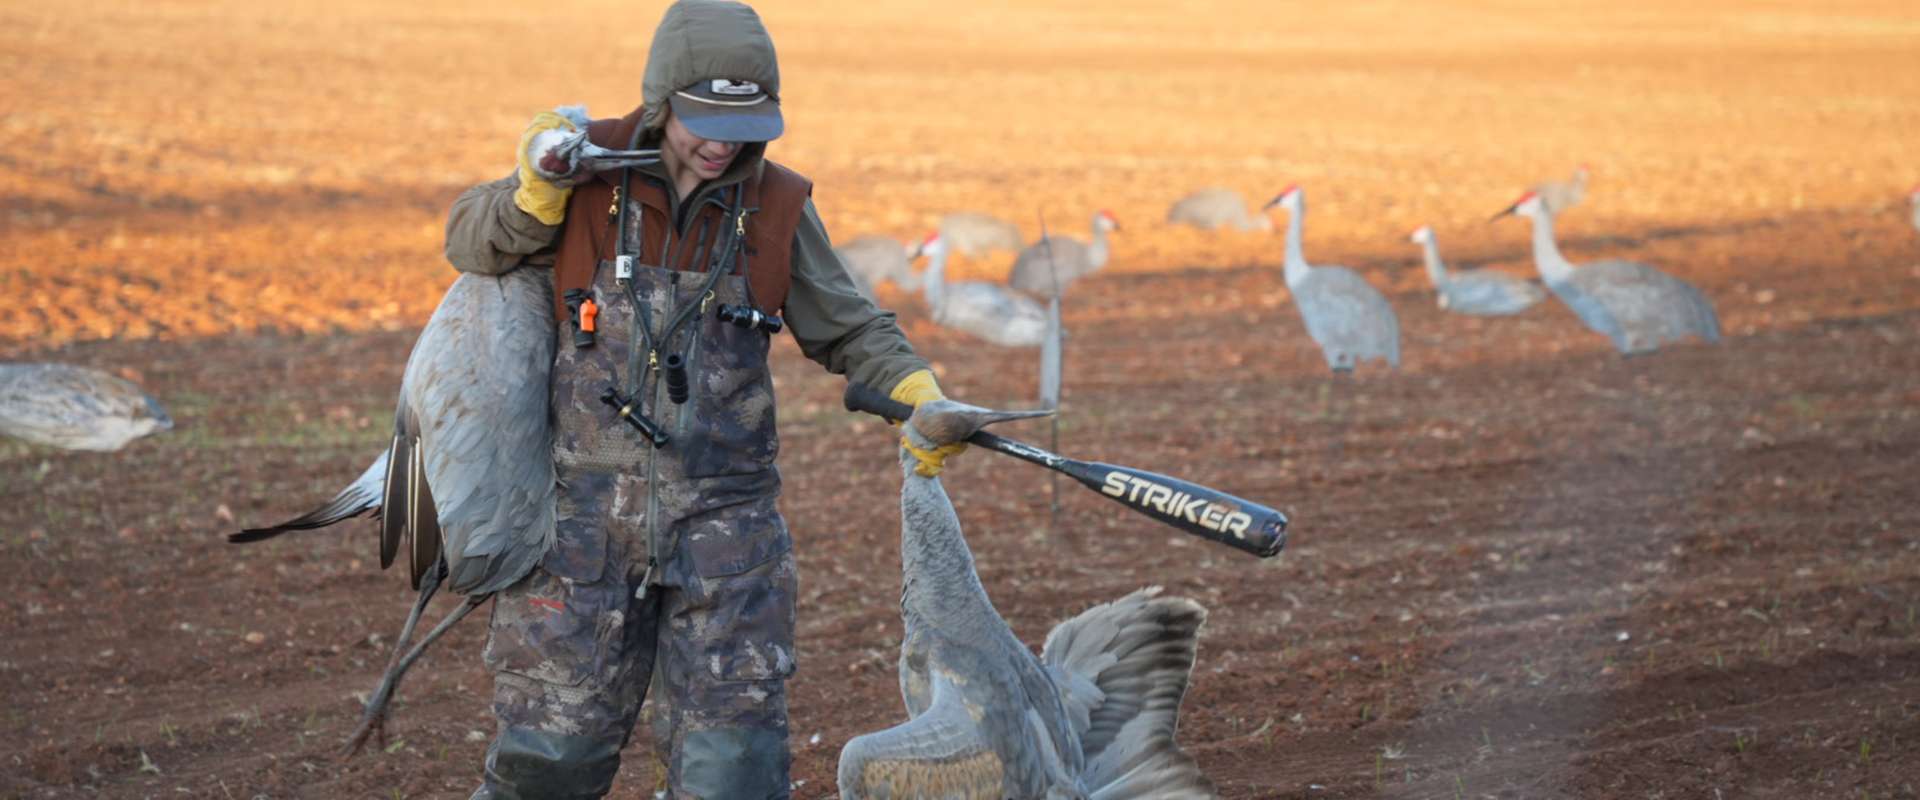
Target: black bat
1203, 512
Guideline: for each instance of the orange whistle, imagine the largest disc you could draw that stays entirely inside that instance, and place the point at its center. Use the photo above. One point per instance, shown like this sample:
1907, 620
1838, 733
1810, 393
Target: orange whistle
588, 311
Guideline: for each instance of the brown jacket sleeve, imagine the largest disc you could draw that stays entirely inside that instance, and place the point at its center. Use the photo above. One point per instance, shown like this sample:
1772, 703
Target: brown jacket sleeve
487, 234
833, 323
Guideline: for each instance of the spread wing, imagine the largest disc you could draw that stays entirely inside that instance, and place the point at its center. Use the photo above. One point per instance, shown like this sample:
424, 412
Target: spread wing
476, 388
940, 753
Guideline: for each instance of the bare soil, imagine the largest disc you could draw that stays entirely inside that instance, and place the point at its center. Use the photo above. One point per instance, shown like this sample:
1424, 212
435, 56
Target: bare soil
1521, 565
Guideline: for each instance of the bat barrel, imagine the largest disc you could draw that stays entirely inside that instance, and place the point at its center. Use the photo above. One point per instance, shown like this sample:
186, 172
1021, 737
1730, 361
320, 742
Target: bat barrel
1203, 512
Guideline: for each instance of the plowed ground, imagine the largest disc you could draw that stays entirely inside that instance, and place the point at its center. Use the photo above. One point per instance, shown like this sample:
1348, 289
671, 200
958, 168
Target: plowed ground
1521, 565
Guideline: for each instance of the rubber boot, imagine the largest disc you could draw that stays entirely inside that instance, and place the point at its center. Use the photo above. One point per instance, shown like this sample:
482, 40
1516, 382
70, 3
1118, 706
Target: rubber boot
733, 763
525, 764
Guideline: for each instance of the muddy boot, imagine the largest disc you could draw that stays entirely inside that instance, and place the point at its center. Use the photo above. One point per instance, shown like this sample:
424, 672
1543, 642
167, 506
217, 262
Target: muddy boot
525, 764
735, 763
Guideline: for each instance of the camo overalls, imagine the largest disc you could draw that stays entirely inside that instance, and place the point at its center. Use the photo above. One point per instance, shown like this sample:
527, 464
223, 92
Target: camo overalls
672, 559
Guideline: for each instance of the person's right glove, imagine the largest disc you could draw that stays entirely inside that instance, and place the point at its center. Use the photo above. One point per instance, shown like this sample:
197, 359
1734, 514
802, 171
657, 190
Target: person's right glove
540, 197
919, 387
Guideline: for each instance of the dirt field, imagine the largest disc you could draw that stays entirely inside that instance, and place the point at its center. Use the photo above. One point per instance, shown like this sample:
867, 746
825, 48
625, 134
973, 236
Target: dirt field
1521, 566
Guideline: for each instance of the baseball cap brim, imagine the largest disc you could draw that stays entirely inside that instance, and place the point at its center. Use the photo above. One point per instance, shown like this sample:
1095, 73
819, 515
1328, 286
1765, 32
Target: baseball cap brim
728, 117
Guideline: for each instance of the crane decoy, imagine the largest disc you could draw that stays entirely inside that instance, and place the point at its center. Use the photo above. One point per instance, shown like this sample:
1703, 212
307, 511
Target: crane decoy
1214, 208
1562, 195
468, 480
1093, 716
873, 260
1344, 314
1047, 266
987, 310
1636, 306
75, 408
973, 234
1479, 292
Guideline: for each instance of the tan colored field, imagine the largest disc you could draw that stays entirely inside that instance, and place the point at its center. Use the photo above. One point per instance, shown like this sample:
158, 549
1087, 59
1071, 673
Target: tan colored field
198, 168
1521, 566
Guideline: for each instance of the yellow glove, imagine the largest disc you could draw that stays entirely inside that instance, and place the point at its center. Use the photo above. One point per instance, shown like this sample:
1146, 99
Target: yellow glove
919, 387
538, 196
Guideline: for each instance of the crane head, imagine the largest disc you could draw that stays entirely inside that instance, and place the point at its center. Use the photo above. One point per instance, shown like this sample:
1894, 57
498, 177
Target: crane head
927, 247
1105, 220
1288, 198
1914, 193
1528, 205
1421, 235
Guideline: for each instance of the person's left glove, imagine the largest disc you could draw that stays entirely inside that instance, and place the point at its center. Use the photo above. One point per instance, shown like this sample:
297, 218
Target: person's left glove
919, 387
544, 187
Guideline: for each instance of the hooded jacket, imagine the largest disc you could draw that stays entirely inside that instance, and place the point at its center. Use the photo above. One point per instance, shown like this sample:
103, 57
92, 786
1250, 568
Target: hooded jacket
833, 324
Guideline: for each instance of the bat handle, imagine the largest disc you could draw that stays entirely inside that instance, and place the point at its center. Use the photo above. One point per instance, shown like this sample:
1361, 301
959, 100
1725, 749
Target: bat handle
861, 397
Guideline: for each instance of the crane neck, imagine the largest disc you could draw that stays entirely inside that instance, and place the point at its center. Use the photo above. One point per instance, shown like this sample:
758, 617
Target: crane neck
1436, 269
934, 285
1097, 246
1296, 261
1553, 267
940, 589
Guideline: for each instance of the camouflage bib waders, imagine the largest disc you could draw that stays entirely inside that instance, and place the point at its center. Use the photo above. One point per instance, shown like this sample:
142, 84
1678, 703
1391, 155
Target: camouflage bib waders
672, 559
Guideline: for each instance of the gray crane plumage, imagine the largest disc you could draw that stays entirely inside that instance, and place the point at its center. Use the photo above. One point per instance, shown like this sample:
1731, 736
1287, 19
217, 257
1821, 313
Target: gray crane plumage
1477, 292
874, 260
1637, 307
987, 310
470, 465
1913, 200
973, 234
1214, 208
75, 408
1350, 320
1093, 716
1045, 267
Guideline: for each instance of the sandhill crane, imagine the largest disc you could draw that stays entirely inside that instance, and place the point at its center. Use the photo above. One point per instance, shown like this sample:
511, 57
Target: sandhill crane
987, 310
75, 408
469, 476
1913, 198
1562, 195
873, 260
1479, 292
973, 234
1214, 208
1635, 305
1047, 266
1092, 717
1349, 318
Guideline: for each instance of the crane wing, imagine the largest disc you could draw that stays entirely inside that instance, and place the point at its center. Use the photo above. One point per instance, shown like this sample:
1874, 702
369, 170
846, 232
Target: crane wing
940, 753
477, 386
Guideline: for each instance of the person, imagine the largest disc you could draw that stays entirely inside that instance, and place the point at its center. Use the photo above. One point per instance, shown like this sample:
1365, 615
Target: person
669, 558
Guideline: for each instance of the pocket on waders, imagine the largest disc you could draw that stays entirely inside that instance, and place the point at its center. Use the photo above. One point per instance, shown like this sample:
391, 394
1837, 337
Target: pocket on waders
559, 632
730, 429
745, 628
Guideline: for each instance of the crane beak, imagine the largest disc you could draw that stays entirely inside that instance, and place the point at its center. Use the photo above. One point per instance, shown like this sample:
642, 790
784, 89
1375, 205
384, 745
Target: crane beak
1271, 203
1507, 213
594, 158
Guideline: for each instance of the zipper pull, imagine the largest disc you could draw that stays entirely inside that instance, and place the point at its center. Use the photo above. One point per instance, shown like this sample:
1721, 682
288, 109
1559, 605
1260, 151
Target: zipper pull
645, 580
653, 358
704, 301
740, 223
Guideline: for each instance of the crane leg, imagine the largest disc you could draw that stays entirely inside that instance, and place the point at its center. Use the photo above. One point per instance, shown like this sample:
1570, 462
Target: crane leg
373, 718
